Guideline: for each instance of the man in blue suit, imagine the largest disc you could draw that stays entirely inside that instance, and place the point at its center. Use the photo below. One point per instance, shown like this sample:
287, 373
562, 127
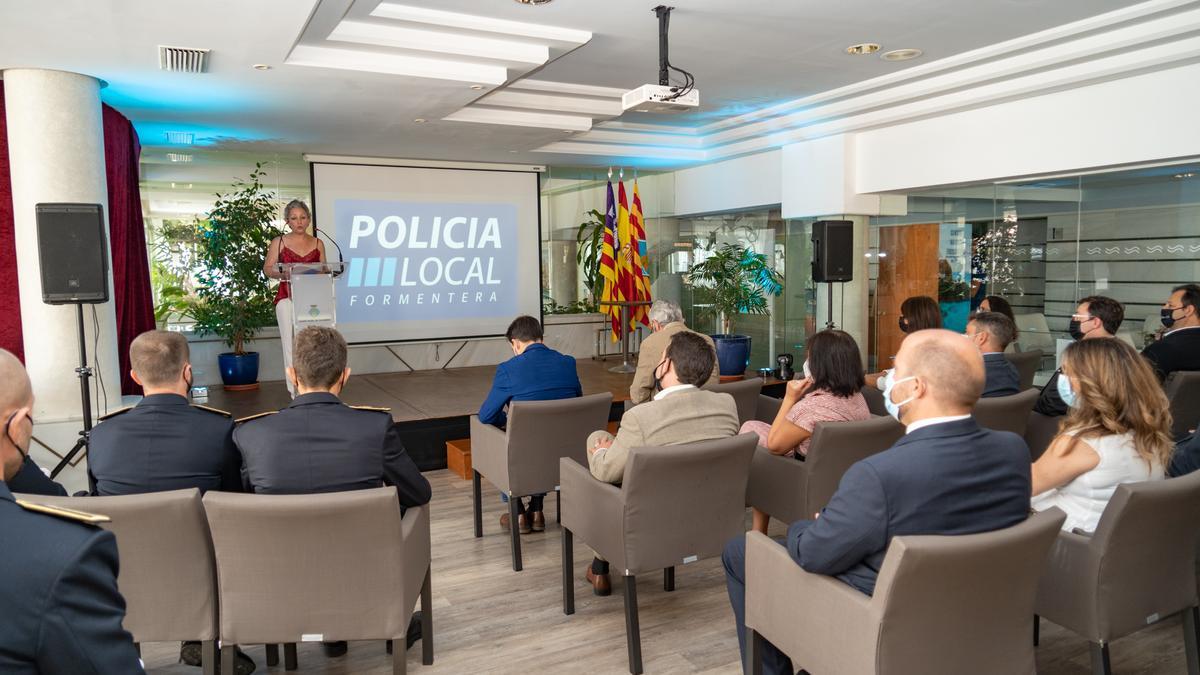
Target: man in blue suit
947, 476
992, 332
534, 373
58, 574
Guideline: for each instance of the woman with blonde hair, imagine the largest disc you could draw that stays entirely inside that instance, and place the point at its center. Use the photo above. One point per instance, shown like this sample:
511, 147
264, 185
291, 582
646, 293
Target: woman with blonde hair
1117, 430
295, 246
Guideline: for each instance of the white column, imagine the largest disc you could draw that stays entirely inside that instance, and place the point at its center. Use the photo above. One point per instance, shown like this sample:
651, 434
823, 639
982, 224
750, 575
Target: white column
56, 151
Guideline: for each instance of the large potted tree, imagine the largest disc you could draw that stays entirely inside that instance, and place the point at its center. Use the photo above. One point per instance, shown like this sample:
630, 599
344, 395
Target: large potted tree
233, 297
738, 281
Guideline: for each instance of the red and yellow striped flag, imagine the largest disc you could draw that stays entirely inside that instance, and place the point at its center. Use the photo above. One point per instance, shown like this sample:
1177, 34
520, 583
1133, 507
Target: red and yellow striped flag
608, 266
625, 282
641, 275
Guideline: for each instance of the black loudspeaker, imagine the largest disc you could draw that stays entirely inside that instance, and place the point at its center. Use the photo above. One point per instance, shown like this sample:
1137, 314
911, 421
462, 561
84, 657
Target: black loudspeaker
833, 250
72, 253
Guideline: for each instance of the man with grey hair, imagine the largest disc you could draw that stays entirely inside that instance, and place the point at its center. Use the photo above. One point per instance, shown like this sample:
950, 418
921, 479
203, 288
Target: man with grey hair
58, 574
666, 319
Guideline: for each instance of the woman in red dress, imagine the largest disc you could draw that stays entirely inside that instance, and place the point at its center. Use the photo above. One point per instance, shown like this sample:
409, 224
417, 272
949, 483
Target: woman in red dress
296, 246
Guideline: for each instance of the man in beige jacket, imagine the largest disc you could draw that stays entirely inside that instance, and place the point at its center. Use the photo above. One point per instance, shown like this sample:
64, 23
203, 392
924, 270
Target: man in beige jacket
666, 319
679, 413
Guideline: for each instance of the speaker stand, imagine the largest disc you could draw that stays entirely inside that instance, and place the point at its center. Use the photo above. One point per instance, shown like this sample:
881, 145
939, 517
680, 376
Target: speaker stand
84, 373
830, 325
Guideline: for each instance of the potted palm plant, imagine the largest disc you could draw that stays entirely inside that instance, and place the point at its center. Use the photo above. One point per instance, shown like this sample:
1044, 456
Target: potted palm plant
738, 281
233, 298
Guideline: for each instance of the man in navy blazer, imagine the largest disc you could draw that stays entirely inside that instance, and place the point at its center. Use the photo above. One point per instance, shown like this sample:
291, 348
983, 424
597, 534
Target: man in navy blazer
534, 373
992, 332
946, 476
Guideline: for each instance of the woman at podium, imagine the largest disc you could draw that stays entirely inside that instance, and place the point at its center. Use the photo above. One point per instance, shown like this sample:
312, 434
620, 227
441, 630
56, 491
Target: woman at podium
295, 246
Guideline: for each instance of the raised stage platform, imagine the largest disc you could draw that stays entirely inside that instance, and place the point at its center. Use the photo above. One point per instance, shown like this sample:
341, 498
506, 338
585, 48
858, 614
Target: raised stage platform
429, 407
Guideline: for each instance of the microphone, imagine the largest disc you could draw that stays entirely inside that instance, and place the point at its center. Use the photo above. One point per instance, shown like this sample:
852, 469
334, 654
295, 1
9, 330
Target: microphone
341, 260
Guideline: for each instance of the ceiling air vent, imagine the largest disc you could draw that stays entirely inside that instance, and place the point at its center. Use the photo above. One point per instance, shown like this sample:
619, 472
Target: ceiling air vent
183, 59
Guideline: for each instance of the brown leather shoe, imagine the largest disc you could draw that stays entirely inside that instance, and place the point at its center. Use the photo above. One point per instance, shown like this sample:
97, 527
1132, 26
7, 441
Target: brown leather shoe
539, 522
522, 523
601, 583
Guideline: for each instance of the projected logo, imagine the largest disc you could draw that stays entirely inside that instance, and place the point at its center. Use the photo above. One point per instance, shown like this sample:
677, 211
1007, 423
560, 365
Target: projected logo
426, 261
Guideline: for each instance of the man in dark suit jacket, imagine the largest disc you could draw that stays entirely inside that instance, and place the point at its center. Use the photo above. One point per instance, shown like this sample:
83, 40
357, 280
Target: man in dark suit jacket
31, 480
163, 443
534, 373
319, 444
992, 332
947, 476
58, 574
1179, 348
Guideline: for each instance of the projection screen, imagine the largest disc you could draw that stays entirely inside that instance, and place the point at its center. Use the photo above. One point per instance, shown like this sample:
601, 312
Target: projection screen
430, 253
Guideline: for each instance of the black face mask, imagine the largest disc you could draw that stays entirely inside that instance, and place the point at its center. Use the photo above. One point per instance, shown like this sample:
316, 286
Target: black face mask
1167, 316
1075, 331
7, 426
658, 380
903, 325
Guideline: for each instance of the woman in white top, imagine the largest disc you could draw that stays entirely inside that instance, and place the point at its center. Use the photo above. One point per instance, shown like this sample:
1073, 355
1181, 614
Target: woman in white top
1117, 430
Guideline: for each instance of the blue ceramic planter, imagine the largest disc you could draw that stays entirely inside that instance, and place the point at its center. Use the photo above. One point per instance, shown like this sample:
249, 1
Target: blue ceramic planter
733, 353
238, 370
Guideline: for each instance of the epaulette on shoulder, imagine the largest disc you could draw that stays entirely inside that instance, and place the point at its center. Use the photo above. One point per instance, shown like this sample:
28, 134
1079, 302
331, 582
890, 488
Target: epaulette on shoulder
254, 417
371, 408
64, 513
114, 413
212, 410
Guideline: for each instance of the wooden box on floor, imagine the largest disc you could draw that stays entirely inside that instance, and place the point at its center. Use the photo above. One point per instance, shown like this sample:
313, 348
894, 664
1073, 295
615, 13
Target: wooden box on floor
458, 457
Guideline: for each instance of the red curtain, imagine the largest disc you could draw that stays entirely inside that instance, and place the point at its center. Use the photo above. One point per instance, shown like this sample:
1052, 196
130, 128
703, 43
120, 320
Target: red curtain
127, 240
10, 297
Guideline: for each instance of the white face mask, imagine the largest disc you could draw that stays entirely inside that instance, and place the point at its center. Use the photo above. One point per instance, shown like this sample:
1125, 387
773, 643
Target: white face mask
893, 408
807, 372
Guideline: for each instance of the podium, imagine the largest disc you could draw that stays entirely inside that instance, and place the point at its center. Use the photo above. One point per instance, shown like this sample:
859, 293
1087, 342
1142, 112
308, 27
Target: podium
314, 302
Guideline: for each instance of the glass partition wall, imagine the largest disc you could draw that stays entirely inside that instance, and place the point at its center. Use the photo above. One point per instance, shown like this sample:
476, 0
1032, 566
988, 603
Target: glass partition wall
1041, 244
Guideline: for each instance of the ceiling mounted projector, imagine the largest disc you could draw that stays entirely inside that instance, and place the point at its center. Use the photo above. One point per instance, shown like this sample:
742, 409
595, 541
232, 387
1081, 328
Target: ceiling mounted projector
663, 97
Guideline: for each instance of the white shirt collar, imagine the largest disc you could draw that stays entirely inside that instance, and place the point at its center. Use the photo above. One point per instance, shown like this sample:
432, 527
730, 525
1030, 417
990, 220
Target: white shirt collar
1179, 329
671, 390
930, 421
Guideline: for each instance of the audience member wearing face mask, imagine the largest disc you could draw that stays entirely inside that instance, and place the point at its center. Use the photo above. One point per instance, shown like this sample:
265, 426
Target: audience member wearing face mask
831, 391
946, 476
1117, 430
920, 312
1179, 348
1095, 317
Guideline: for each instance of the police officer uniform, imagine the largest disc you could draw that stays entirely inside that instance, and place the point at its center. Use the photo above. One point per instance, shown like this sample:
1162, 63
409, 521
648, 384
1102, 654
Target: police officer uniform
320, 444
58, 587
163, 443
31, 480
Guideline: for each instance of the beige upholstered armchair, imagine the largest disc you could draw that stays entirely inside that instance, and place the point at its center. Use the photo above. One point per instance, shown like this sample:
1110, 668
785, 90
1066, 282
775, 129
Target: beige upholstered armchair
523, 458
1027, 364
275, 554
745, 394
942, 605
678, 504
1006, 413
1137, 568
790, 489
1183, 391
167, 572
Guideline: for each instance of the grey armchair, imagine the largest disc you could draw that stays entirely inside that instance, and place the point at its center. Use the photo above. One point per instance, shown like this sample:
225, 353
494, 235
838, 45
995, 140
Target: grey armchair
875, 402
523, 459
1137, 568
942, 605
168, 576
790, 489
1040, 430
1027, 364
745, 394
1006, 413
275, 554
678, 504
1183, 391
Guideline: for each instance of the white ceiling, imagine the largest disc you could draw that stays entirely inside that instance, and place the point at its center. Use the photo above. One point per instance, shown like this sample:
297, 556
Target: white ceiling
746, 55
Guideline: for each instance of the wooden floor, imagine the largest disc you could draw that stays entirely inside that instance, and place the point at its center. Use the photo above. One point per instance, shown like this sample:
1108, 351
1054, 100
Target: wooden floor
419, 395
489, 619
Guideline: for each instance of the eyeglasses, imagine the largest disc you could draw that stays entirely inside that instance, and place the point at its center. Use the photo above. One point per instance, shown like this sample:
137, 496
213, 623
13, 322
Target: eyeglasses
1082, 317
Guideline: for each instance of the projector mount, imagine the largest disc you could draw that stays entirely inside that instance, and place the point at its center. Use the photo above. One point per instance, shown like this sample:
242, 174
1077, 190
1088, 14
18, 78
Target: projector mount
664, 62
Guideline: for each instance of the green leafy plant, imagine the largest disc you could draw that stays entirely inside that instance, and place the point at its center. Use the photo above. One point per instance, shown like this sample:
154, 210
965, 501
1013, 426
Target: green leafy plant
590, 239
739, 281
584, 306
233, 297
